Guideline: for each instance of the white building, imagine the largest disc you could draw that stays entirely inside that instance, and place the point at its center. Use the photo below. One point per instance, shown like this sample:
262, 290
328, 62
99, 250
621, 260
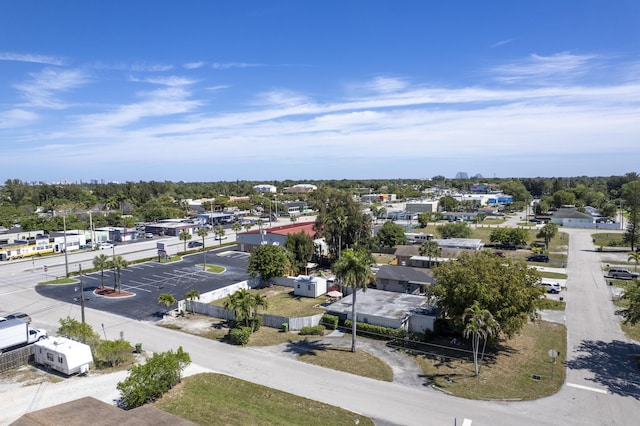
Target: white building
263, 189
308, 286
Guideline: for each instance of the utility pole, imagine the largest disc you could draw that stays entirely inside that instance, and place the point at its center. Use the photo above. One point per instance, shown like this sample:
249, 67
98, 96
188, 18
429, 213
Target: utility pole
81, 293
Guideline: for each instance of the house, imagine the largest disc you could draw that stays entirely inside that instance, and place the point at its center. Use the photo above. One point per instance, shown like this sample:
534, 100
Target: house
422, 207
570, 216
409, 255
90, 411
403, 279
263, 189
277, 235
387, 309
300, 188
307, 286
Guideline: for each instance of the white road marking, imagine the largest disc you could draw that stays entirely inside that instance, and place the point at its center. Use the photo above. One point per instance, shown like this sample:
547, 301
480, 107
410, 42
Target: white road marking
589, 388
466, 422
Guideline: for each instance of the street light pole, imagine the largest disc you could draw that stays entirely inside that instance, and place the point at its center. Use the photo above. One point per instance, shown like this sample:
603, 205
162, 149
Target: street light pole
81, 294
66, 258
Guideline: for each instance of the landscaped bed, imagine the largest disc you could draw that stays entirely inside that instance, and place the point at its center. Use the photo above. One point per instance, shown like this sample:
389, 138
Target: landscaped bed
284, 303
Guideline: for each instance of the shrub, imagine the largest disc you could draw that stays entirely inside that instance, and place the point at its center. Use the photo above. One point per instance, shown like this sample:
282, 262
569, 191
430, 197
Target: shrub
240, 335
256, 323
329, 321
316, 330
377, 330
112, 352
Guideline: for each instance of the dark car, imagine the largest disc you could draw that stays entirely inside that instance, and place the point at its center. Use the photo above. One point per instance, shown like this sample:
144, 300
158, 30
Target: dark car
538, 258
19, 315
506, 246
194, 244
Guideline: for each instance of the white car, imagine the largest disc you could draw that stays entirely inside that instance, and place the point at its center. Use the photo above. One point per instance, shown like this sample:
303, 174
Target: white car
552, 287
103, 246
221, 237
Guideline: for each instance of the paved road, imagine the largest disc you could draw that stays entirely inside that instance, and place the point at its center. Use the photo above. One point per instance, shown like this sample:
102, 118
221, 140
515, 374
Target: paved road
601, 387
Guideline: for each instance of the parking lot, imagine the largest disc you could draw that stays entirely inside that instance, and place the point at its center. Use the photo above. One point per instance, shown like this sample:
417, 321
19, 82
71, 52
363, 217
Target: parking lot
150, 279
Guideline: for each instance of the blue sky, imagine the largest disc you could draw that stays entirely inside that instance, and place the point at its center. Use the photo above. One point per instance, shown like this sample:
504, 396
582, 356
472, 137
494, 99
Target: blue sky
271, 90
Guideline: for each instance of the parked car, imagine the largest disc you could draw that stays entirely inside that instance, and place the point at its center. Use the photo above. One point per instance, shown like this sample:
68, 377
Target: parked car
538, 258
553, 288
622, 273
148, 235
19, 315
506, 246
194, 244
105, 245
221, 237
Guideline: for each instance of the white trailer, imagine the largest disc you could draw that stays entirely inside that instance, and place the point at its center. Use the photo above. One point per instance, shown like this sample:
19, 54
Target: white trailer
64, 355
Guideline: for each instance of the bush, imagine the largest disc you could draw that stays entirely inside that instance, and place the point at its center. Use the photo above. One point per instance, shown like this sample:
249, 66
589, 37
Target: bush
240, 335
329, 321
316, 330
256, 323
112, 352
377, 330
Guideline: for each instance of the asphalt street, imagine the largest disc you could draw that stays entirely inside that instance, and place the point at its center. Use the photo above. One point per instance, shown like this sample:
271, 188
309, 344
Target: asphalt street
602, 385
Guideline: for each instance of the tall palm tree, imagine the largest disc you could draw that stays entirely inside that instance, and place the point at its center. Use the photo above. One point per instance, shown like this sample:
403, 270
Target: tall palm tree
219, 230
479, 323
431, 249
240, 304
635, 256
247, 226
192, 295
184, 236
236, 227
353, 269
118, 263
203, 232
101, 262
338, 222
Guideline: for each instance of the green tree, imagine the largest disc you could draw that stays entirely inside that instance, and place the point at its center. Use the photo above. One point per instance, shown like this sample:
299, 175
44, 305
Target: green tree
564, 198
391, 235
241, 304
301, 247
184, 236
166, 299
101, 262
455, 230
269, 261
353, 270
506, 288
219, 231
113, 352
478, 323
548, 231
631, 295
78, 331
431, 249
258, 301
448, 203
202, 233
192, 295
631, 196
149, 381
425, 218
118, 263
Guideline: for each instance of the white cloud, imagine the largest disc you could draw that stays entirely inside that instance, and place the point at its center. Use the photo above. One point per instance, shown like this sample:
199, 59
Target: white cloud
151, 67
502, 42
39, 59
229, 65
16, 118
172, 81
44, 87
541, 70
194, 65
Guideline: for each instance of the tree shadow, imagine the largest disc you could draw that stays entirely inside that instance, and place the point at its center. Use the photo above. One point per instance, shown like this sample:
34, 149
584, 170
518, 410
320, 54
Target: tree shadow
613, 365
307, 347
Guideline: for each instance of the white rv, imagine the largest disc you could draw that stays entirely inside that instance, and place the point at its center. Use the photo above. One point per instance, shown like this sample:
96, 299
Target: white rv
64, 355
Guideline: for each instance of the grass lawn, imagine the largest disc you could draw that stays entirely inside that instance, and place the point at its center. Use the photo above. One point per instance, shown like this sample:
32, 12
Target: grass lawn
606, 239
509, 376
632, 331
282, 302
382, 258
59, 281
342, 359
216, 399
550, 304
216, 269
268, 336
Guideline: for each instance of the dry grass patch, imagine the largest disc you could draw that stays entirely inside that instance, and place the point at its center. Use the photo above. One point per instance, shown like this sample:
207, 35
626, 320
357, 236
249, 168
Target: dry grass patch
509, 375
268, 336
342, 359
209, 399
282, 302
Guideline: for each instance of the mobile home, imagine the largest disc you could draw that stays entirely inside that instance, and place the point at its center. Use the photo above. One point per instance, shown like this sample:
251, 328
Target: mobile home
64, 355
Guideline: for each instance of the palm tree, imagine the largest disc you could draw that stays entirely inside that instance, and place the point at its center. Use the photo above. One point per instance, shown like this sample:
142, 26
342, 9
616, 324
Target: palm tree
118, 263
236, 227
192, 295
219, 230
247, 226
548, 231
258, 300
478, 323
635, 256
431, 249
101, 262
293, 218
240, 304
166, 299
203, 232
338, 221
184, 236
353, 269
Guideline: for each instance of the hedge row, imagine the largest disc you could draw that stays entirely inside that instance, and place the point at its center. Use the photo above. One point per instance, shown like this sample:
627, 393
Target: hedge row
329, 321
316, 330
377, 330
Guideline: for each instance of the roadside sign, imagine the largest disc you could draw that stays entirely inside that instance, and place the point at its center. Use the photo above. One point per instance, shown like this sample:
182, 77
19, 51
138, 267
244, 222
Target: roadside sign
45, 268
